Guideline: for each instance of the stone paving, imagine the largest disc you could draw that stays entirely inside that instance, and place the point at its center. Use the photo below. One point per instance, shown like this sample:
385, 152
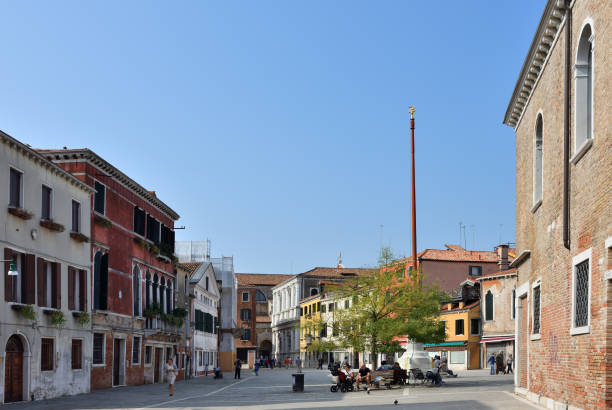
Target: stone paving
272, 390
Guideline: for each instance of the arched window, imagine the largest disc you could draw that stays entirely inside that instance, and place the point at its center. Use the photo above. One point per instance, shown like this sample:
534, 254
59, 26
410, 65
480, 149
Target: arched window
537, 161
583, 73
162, 295
259, 296
100, 281
489, 306
148, 291
313, 291
155, 286
136, 284
169, 296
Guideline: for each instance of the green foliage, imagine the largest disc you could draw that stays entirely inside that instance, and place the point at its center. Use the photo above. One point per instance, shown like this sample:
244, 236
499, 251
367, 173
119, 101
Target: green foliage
152, 311
83, 318
57, 319
319, 346
180, 312
386, 256
388, 304
28, 312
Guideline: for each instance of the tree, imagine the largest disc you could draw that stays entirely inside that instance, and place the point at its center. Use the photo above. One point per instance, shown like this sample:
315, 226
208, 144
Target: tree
390, 302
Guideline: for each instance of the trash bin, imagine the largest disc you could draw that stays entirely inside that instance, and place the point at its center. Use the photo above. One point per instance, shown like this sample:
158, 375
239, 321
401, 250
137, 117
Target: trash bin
298, 382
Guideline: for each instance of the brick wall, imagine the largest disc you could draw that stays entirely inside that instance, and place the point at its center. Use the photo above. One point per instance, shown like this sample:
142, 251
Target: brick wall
541, 231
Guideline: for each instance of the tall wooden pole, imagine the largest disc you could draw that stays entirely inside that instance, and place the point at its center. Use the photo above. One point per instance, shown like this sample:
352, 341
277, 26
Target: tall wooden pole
414, 236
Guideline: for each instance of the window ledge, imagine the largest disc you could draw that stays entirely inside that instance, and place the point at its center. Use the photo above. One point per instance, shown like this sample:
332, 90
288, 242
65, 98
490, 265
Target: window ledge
580, 330
535, 337
99, 365
580, 152
536, 206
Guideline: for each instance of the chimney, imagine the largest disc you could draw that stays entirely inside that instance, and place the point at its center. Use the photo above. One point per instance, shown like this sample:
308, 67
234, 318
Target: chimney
502, 257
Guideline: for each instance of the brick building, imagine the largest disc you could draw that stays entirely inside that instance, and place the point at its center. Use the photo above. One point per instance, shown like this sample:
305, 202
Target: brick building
560, 112
254, 294
132, 246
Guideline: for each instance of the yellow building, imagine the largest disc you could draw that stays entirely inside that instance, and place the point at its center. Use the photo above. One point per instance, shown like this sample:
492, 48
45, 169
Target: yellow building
463, 330
310, 321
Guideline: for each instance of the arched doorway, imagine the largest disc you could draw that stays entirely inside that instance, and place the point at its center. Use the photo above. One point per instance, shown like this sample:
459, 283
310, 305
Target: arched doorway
265, 349
13, 370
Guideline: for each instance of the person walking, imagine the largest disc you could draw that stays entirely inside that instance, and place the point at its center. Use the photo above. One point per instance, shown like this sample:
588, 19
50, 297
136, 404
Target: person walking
238, 365
499, 361
298, 363
509, 363
256, 368
491, 363
320, 364
287, 362
272, 362
171, 372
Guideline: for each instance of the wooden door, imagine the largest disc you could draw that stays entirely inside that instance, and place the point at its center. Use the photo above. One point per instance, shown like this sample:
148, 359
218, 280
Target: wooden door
158, 364
13, 373
116, 362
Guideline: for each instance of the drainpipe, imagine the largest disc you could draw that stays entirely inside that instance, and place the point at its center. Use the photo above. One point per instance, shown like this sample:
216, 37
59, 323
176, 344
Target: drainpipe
566, 130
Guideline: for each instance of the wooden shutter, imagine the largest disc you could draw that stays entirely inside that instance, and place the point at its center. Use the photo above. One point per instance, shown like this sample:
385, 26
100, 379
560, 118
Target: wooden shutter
104, 282
8, 280
71, 287
28, 280
83, 289
42, 282
56, 285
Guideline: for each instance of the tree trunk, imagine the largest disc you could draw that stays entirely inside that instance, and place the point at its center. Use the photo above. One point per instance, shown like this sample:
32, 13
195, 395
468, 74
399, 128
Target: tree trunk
374, 353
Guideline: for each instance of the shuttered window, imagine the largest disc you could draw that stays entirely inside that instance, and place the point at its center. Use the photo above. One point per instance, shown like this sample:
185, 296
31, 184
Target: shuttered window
46, 203
208, 323
98, 348
459, 327
100, 281
99, 198
47, 353
136, 351
77, 289
15, 189
77, 354
489, 306
245, 314
199, 320
76, 216
536, 310
139, 221
152, 229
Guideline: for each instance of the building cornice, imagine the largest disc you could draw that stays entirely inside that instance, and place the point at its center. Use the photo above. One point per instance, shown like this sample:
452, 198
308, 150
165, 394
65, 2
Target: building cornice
541, 47
40, 159
103, 165
520, 258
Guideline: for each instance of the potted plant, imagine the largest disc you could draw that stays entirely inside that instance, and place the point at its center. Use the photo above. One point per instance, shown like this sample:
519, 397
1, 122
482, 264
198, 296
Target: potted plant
28, 312
152, 311
82, 318
51, 225
57, 319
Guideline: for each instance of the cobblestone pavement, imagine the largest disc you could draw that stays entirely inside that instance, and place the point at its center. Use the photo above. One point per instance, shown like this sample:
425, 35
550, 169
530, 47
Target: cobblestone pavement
272, 390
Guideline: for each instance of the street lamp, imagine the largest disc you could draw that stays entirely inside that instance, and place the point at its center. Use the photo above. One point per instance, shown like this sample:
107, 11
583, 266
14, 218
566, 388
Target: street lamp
12, 267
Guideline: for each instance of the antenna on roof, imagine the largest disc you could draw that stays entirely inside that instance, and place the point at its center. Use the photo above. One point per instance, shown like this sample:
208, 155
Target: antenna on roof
473, 228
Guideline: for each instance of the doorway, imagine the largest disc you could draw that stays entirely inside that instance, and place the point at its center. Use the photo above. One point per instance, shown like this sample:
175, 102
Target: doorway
158, 365
119, 362
13, 370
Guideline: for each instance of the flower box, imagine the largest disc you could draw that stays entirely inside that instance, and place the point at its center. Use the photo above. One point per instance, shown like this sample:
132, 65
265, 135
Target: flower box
20, 212
51, 225
79, 237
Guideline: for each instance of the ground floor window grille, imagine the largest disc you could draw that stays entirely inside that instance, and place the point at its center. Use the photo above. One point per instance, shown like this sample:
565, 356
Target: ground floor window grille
77, 353
536, 310
98, 348
136, 351
47, 353
581, 296
148, 350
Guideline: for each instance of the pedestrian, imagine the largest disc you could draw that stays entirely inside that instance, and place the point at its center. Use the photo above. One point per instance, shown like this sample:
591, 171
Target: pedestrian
320, 364
298, 363
491, 363
206, 369
238, 365
217, 372
509, 362
273, 362
171, 372
287, 362
345, 361
267, 363
499, 361
256, 368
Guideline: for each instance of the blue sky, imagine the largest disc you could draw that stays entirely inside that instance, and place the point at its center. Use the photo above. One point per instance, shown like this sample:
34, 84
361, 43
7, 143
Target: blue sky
279, 130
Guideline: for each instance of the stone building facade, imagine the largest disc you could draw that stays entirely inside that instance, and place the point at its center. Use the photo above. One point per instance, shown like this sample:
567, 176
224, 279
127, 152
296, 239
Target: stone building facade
560, 112
133, 279
45, 233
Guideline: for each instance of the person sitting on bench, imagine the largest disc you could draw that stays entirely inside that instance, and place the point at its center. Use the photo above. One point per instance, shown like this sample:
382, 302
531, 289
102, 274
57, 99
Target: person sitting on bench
365, 375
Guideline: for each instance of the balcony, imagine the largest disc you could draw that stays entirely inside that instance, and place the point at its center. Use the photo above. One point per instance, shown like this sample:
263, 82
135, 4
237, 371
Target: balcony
157, 326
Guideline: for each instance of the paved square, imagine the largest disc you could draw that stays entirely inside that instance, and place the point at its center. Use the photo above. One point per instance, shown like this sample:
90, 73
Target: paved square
272, 390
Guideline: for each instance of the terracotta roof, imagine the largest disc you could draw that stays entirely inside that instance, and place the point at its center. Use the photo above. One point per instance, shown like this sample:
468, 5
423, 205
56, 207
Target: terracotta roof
306, 299
320, 272
456, 253
190, 266
265, 279
500, 273
263, 319
466, 307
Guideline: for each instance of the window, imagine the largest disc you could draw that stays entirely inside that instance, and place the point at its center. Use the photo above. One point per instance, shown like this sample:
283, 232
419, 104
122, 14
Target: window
245, 296
536, 310
489, 306
331, 307
77, 354
323, 308
457, 357
346, 304
77, 289
583, 74
208, 323
148, 354
318, 306
245, 314
313, 291
76, 216
246, 334
98, 348
207, 283
136, 286
537, 162
99, 198
46, 203
100, 281
47, 353
581, 293
323, 331
152, 229
259, 296
49, 284
513, 312
15, 189
136, 351
459, 327
139, 221
475, 270
199, 320
475, 327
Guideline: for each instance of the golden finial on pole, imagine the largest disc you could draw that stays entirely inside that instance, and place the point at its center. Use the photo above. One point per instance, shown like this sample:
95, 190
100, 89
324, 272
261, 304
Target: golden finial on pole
411, 110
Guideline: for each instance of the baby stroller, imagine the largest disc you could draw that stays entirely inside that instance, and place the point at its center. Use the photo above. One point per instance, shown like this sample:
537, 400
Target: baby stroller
340, 382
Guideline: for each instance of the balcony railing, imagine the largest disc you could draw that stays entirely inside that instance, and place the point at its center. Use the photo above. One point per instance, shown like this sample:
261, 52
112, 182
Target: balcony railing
156, 325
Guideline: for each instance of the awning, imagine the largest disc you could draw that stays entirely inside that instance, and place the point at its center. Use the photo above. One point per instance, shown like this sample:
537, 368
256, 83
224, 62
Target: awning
444, 344
496, 339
